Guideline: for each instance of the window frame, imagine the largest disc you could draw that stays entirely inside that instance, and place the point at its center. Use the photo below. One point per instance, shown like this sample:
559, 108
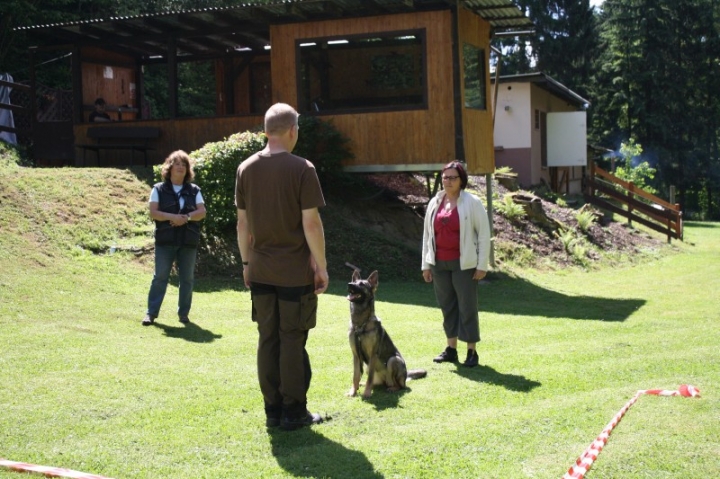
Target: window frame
481, 61
421, 33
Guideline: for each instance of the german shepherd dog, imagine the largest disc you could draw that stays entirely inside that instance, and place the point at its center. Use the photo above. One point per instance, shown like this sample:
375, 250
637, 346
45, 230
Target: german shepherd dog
371, 344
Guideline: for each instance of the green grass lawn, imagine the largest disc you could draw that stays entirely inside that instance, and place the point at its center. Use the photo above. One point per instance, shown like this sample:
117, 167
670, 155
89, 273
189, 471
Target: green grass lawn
84, 386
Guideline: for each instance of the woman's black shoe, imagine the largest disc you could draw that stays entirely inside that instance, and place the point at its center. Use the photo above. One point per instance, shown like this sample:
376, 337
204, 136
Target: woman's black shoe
472, 359
447, 356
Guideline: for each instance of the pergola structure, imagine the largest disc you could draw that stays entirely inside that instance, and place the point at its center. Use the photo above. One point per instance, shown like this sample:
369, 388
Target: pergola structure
273, 32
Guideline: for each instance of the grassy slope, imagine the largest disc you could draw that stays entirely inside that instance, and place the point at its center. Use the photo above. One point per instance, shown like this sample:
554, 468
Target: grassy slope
86, 387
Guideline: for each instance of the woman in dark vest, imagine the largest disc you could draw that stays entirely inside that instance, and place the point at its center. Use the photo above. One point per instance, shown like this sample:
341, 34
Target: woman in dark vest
177, 206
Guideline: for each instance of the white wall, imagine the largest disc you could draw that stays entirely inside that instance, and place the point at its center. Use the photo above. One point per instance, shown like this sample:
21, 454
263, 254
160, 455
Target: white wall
513, 126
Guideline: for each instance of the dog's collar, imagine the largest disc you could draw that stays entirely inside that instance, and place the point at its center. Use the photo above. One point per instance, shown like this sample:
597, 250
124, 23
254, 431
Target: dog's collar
360, 330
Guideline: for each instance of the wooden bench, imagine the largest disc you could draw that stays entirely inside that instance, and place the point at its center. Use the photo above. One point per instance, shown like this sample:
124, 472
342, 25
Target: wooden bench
133, 138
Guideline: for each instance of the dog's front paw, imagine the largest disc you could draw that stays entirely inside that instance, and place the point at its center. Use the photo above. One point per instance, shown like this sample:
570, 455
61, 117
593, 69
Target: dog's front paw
351, 393
367, 393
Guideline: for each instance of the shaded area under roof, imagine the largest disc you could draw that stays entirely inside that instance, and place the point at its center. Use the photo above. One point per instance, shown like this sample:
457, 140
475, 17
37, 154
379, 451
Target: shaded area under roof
209, 32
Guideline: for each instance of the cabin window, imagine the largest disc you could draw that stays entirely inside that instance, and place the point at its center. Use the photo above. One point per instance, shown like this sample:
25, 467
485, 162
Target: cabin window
380, 71
474, 69
196, 91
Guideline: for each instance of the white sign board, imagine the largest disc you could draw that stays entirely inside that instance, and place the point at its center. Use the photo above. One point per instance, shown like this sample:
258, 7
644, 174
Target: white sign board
567, 138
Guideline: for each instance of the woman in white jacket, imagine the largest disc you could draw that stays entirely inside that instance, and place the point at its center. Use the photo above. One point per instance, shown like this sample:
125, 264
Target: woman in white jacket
456, 248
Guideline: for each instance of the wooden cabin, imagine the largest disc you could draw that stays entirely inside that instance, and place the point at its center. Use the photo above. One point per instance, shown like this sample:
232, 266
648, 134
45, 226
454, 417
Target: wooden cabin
407, 81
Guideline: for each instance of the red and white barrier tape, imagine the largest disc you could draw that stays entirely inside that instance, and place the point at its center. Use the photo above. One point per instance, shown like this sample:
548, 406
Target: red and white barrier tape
583, 463
48, 471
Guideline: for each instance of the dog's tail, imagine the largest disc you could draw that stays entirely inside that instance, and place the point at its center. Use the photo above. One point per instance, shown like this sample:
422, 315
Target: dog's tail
416, 373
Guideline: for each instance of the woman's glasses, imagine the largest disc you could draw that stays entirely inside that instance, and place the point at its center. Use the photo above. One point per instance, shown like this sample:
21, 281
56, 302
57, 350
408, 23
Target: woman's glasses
450, 178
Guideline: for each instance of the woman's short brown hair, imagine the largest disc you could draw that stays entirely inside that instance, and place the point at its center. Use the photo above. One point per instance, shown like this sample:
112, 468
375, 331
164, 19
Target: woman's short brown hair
455, 164
175, 156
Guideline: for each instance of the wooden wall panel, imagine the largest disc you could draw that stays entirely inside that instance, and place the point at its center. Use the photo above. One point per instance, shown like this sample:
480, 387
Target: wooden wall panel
116, 85
412, 137
106, 57
477, 124
187, 134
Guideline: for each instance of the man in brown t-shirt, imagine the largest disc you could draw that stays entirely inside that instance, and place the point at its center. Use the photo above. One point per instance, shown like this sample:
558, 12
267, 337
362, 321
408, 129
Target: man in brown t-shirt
282, 244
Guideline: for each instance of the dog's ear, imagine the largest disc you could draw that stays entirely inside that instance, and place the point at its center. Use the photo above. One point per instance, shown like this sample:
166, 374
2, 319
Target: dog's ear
373, 279
356, 275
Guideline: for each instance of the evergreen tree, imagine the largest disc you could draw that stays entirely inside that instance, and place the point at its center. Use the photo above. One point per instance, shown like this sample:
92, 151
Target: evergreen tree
566, 41
656, 82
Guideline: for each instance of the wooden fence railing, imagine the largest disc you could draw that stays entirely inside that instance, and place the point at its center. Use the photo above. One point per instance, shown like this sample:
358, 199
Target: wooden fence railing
633, 203
14, 108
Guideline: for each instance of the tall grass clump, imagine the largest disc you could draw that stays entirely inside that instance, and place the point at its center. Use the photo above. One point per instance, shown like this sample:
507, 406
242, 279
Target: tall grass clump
12, 156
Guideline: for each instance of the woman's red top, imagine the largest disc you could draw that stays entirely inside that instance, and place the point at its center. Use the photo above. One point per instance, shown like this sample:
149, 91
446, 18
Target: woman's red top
447, 235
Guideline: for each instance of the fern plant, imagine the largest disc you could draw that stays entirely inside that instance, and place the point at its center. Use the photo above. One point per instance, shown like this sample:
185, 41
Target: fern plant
509, 209
567, 238
585, 219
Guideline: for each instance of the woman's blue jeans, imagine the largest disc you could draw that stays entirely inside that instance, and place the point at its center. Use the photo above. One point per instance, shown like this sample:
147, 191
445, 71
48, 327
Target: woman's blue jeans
165, 256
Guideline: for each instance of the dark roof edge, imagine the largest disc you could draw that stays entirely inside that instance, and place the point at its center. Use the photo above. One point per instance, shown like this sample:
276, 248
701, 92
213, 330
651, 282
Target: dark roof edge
549, 83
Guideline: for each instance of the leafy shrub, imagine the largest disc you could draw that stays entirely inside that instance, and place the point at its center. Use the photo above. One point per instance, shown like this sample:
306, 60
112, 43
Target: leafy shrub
216, 165
324, 145
215, 168
641, 174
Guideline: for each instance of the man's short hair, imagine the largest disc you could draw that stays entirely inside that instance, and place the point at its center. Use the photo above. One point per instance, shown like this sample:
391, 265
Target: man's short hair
279, 118
100, 102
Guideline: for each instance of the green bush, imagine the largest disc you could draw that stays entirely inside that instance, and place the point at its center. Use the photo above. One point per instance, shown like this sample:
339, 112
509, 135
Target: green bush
215, 169
324, 145
216, 166
641, 174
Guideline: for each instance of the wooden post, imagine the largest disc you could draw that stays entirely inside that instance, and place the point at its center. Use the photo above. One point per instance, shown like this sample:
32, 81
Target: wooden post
139, 91
33, 93
172, 66
630, 196
488, 195
77, 85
